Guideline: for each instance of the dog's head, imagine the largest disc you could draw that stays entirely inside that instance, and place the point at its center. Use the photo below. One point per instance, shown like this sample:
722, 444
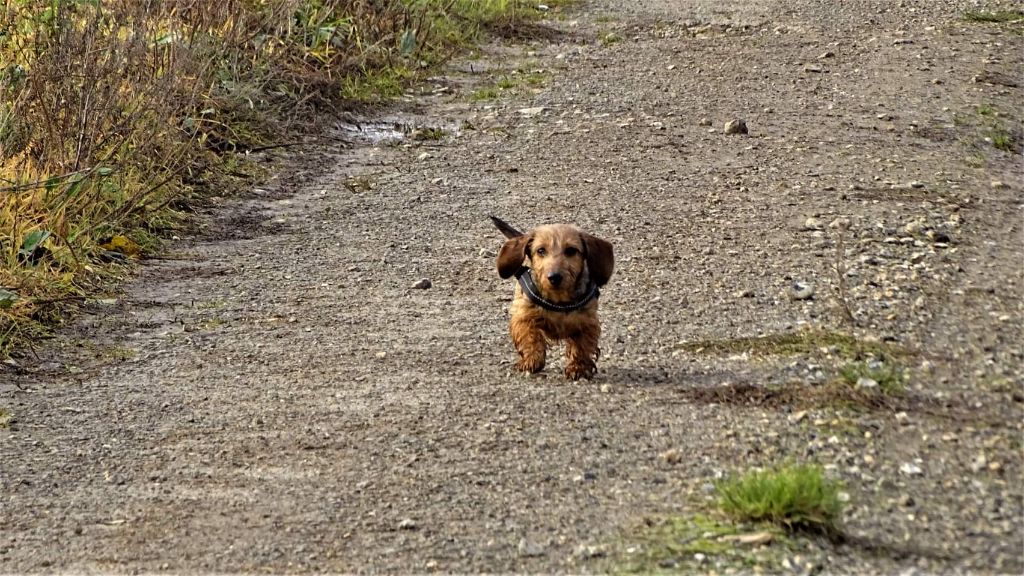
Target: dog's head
563, 260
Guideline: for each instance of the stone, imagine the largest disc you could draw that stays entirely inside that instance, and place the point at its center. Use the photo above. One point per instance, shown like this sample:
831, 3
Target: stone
530, 549
671, 456
531, 112
801, 291
408, 524
813, 223
911, 469
704, 122
736, 126
864, 383
422, 284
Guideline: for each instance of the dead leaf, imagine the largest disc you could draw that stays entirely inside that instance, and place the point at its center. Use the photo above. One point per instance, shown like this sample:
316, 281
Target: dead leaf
753, 539
123, 245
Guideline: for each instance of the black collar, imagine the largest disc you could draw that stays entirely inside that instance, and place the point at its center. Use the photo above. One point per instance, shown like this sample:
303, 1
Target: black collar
533, 293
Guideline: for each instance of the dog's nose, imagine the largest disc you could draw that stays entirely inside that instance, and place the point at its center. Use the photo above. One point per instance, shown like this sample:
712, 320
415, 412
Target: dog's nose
555, 278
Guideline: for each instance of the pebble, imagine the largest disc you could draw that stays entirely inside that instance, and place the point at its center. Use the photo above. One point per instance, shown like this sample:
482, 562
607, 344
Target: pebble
801, 291
671, 456
911, 469
422, 284
828, 54
530, 549
916, 184
736, 126
866, 383
998, 184
408, 524
704, 122
813, 68
813, 223
531, 112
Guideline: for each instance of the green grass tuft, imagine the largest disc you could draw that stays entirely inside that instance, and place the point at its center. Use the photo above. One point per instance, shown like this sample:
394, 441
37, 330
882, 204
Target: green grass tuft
993, 16
797, 497
889, 377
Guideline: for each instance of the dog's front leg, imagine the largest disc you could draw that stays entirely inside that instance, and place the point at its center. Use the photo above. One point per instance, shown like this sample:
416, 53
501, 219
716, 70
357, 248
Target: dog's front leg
581, 352
530, 343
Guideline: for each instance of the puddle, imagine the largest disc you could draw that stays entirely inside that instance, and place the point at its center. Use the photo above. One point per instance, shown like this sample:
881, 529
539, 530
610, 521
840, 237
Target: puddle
374, 132
391, 132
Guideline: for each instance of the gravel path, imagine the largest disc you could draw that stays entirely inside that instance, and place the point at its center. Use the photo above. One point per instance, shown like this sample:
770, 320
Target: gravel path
274, 396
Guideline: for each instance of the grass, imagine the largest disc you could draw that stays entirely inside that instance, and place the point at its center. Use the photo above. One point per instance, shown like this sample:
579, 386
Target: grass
117, 117
795, 497
801, 343
5, 418
689, 544
996, 16
889, 377
609, 38
514, 80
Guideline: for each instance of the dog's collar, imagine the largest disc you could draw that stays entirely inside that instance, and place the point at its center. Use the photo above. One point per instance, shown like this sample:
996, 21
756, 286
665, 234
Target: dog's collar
533, 293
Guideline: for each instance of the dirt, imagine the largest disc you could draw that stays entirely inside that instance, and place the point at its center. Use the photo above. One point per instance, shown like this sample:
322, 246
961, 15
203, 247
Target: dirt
273, 396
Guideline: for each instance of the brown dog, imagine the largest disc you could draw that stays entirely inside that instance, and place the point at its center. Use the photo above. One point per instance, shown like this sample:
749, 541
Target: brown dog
559, 269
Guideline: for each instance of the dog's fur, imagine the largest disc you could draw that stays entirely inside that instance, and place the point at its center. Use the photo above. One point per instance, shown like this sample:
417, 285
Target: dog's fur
563, 261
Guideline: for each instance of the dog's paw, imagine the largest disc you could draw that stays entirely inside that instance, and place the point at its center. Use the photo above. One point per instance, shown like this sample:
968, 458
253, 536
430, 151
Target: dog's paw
530, 365
585, 370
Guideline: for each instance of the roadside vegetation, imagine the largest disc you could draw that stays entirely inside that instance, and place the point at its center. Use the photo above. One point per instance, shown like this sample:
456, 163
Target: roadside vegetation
116, 117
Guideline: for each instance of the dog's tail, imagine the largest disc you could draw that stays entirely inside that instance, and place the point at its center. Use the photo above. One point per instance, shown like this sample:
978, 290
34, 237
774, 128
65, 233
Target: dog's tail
506, 228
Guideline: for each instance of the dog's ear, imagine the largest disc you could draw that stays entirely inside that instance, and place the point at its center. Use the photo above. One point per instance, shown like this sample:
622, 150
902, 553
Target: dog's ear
600, 258
511, 255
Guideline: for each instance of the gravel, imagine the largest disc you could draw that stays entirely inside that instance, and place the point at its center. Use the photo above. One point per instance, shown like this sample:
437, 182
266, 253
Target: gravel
275, 397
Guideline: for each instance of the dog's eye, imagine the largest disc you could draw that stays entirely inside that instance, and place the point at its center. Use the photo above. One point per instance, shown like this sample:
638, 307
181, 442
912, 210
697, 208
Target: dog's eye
570, 251
542, 251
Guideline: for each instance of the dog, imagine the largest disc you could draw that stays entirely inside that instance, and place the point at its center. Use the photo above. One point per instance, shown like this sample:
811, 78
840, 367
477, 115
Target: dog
560, 271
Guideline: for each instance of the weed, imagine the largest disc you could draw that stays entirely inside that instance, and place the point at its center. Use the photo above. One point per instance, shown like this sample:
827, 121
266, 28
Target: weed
114, 116
994, 16
489, 93
796, 497
609, 38
5, 418
986, 110
683, 543
805, 342
889, 377
1002, 139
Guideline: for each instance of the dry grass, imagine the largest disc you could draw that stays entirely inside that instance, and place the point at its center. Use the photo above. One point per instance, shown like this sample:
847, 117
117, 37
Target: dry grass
115, 114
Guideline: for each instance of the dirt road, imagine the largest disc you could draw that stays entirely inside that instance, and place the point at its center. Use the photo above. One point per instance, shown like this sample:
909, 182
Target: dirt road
274, 396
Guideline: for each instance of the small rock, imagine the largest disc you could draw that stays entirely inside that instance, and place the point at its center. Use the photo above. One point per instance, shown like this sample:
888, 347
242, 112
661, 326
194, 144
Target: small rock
422, 284
828, 54
736, 126
704, 122
998, 184
531, 112
487, 253
699, 557
864, 383
911, 469
408, 524
814, 69
745, 293
813, 223
586, 552
801, 291
424, 156
902, 41
907, 501
671, 456
530, 549
916, 184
